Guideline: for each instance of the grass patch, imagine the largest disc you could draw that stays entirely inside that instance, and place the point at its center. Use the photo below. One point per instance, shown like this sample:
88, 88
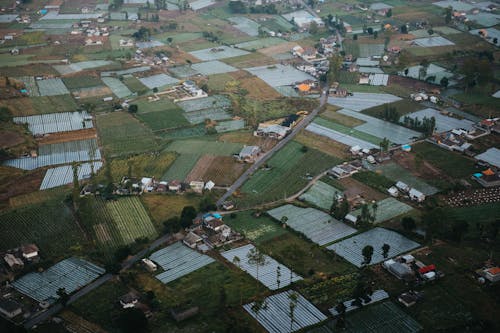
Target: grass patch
374, 180
347, 130
402, 107
217, 82
51, 104
249, 60
323, 144
450, 163
134, 84
122, 134
257, 229
82, 81
160, 115
161, 207
341, 119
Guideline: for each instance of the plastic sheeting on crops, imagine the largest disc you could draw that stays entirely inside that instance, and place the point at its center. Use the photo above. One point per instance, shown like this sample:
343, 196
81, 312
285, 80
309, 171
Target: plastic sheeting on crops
279, 75
351, 249
200, 4
52, 87
213, 67
117, 87
183, 71
492, 156
217, 52
64, 174
245, 25
80, 66
316, 225
127, 71
56, 122
361, 101
178, 260
378, 79
382, 129
443, 122
376, 296
267, 273
204, 103
70, 274
456, 5
230, 125
340, 137
275, 316
387, 209
53, 15
433, 41
7, 18
158, 80
59, 153
321, 195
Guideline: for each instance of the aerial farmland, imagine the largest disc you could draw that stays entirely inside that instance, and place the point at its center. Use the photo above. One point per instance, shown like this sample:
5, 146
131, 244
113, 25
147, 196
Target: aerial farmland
249, 166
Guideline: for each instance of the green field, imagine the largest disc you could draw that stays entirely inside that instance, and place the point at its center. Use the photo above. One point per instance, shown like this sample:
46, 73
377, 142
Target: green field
286, 175
450, 163
50, 225
160, 115
194, 146
51, 104
257, 230
114, 223
122, 134
347, 130
217, 82
402, 107
374, 180
134, 84
181, 167
82, 81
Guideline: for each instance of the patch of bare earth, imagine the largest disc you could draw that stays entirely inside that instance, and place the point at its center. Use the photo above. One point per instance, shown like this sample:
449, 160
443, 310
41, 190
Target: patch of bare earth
84, 134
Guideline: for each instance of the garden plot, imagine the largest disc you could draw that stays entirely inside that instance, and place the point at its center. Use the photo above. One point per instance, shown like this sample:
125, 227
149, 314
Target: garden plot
70, 274
216, 53
56, 122
340, 137
491, 33
29, 84
178, 260
199, 4
81, 66
230, 125
181, 167
213, 67
387, 209
370, 50
64, 175
183, 71
127, 71
316, 225
275, 315
397, 173
59, 153
148, 45
321, 195
351, 248
245, 25
433, 41
378, 79
260, 43
157, 81
212, 107
267, 273
382, 129
361, 101
443, 122
52, 87
279, 75
491, 156
117, 87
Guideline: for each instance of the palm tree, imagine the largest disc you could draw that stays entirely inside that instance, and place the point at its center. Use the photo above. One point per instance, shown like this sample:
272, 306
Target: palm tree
257, 258
385, 250
367, 254
293, 304
284, 220
236, 261
278, 275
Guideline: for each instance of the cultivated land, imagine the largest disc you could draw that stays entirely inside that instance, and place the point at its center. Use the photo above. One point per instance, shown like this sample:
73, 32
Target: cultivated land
117, 75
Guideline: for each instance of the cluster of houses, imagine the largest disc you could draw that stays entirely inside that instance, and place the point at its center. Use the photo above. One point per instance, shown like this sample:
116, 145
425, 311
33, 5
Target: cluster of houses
314, 63
407, 268
402, 188
18, 257
188, 90
96, 35
150, 60
208, 232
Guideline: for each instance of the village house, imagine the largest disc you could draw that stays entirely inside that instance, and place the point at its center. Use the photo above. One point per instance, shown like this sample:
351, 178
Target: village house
129, 300
209, 185
249, 154
272, 131
213, 221
492, 274
197, 186
409, 298
150, 266
416, 195
487, 178
174, 186
13, 262
345, 170
228, 205
10, 308
192, 240
297, 51
30, 251
309, 53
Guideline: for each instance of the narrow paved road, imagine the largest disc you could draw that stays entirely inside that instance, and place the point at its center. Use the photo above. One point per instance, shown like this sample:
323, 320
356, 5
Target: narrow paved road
243, 178
53, 310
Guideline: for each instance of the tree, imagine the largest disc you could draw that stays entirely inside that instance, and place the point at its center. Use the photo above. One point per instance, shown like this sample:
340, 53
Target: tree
133, 108
257, 258
313, 28
385, 250
458, 229
169, 40
389, 13
367, 253
237, 261
283, 220
187, 216
132, 320
444, 82
430, 32
63, 295
293, 304
370, 30
374, 209
76, 185
237, 7
375, 34
142, 34
408, 223
355, 37
278, 276
448, 11
334, 68
384, 144
257, 306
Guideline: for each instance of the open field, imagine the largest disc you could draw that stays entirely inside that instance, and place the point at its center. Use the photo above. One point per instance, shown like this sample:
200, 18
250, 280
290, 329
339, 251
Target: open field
321, 195
121, 134
160, 115
323, 144
81, 81
450, 163
40, 105
115, 223
194, 146
402, 107
257, 89
286, 175
250, 60
348, 132
181, 167
222, 170
49, 224
257, 229
162, 207
331, 114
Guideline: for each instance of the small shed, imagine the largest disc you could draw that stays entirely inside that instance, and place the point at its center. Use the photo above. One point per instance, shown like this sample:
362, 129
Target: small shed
129, 300
197, 186
492, 274
209, 185
393, 191
416, 195
10, 308
403, 187
401, 271
249, 153
174, 186
192, 240
30, 251
150, 266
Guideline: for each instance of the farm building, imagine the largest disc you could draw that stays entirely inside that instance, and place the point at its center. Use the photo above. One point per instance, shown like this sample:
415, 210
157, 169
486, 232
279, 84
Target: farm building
492, 274
192, 240
30, 251
150, 266
129, 300
399, 270
376, 296
402, 187
272, 131
197, 186
10, 308
416, 195
249, 153
13, 262
490, 156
